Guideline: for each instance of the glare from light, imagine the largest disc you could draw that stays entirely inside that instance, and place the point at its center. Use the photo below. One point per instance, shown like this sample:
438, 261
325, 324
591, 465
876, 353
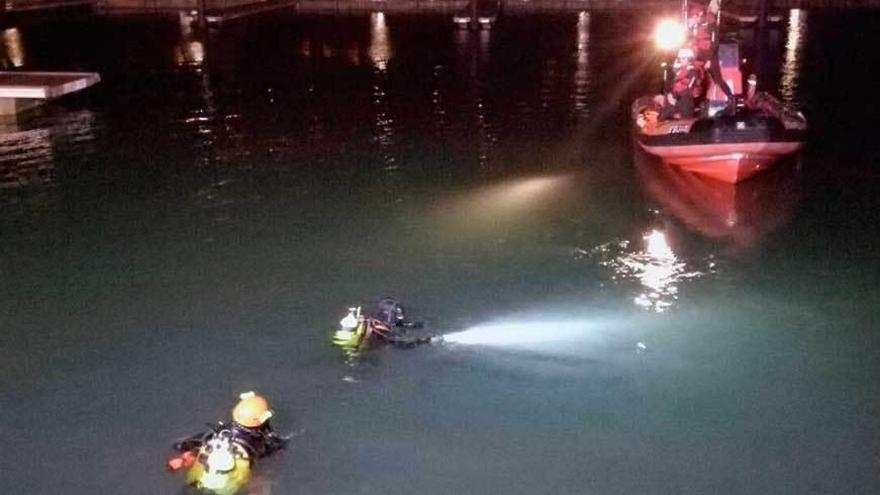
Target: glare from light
669, 34
380, 51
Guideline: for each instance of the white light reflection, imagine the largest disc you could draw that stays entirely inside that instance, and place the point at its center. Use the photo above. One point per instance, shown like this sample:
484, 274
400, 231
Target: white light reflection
794, 43
14, 47
581, 73
380, 45
656, 268
520, 333
557, 333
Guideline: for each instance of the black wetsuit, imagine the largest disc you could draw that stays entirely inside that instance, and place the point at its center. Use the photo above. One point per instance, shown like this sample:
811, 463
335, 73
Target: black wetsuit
388, 324
258, 442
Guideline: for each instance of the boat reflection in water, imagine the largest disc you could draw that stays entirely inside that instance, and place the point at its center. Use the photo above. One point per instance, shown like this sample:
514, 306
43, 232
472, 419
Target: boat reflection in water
740, 214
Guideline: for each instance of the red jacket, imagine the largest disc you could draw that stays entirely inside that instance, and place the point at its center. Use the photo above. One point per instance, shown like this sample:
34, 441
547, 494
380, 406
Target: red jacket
688, 78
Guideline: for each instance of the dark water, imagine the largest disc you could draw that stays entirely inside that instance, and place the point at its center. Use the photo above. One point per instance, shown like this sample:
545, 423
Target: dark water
196, 225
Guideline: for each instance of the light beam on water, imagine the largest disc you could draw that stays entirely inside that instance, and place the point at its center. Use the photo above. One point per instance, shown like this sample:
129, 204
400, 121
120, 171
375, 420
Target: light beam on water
518, 334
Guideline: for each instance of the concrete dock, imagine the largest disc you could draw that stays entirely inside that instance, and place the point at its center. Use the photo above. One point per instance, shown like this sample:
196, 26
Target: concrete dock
20, 91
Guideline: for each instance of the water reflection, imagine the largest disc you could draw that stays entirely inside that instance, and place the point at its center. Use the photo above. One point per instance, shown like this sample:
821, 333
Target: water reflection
581, 82
794, 45
13, 47
28, 156
208, 125
438, 104
654, 265
380, 53
738, 214
473, 48
380, 45
190, 50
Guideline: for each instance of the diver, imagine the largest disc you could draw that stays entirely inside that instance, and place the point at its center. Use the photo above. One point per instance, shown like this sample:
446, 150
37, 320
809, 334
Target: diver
250, 434
703, 38
387, 324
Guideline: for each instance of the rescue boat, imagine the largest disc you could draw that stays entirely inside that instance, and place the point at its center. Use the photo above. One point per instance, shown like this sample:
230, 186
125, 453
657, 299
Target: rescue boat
729, 147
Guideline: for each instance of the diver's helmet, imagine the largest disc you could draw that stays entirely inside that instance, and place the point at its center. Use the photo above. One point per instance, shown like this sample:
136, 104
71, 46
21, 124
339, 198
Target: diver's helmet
252, 410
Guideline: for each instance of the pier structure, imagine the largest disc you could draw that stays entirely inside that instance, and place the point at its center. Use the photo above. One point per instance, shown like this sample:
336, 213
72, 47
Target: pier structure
20, 91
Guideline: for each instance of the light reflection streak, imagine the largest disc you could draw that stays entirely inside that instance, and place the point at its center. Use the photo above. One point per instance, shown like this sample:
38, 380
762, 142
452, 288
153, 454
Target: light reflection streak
581, 74
14, 47
656, 267
486, 135
190, 50
203, 117
380, 52
437, 100
797, 30
380, 45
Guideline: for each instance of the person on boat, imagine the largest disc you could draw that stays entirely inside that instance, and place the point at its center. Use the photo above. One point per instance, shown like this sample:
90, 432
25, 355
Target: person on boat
387, 324
250, 433
703, 39
686, 90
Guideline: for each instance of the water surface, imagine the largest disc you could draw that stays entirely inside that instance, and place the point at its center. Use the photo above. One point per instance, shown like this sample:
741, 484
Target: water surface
196, 225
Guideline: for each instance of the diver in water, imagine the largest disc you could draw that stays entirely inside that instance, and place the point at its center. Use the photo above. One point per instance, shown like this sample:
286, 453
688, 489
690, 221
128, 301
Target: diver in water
387, 324
250, 434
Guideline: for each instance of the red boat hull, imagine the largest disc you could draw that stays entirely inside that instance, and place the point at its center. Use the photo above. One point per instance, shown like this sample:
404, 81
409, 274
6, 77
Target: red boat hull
727, 162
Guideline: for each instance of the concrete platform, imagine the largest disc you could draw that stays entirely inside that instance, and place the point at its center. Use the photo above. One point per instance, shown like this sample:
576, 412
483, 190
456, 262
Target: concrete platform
20, 91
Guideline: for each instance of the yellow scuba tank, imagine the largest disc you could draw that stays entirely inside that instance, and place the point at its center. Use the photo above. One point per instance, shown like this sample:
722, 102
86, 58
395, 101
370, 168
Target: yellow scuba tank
222, 466
353, 330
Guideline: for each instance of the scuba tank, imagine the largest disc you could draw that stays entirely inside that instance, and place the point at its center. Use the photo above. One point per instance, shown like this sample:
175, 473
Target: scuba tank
352, 330
222, 465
